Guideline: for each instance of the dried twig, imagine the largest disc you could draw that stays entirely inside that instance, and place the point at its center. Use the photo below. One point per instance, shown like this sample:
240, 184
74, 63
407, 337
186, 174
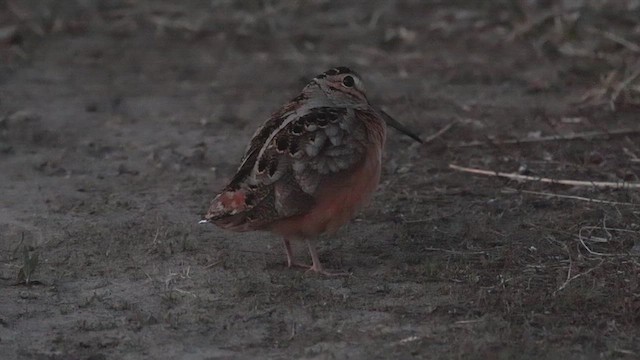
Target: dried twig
185, 292
615, 38
589, 135
583, 239
209, 266
611, 87
439, 132
631, 154
512, 176
623, 85
573, 197
532, 22
457, 252
570, 279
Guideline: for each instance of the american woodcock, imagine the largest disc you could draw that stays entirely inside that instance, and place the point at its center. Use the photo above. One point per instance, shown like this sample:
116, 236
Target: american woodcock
310, 167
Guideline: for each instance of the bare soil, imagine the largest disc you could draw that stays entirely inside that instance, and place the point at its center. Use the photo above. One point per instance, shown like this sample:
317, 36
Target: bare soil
120, 119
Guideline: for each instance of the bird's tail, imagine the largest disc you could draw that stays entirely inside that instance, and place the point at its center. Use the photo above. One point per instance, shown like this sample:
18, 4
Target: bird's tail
227, 210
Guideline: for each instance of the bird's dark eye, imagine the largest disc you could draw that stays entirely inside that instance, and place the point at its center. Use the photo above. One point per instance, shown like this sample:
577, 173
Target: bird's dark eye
348, 81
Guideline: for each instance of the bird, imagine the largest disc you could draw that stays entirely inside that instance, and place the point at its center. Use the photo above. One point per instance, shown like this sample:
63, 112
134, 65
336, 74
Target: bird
310, 167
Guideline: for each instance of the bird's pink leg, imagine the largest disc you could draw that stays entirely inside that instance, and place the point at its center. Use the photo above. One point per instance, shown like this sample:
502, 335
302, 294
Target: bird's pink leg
317, 266
290, 262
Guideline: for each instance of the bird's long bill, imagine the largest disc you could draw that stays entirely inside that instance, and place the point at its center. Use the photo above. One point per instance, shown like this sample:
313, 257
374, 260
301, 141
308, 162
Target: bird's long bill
398, 126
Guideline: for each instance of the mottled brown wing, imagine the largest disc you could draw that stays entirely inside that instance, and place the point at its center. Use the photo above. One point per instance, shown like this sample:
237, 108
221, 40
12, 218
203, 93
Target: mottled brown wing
324, 141
289, 167
260, 136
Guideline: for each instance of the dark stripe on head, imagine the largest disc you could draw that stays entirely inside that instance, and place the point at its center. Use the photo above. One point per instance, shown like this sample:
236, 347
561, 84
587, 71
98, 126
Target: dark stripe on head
336, 71
343, 70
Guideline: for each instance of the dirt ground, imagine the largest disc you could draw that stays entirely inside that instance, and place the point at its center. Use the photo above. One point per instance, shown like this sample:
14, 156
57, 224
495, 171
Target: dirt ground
120, 119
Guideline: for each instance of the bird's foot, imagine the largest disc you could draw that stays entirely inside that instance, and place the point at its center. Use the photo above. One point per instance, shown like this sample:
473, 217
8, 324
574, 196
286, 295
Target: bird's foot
295, 264
320, 270
317, 265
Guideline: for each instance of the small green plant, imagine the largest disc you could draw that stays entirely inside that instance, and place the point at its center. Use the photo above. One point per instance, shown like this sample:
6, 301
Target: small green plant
29, 264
